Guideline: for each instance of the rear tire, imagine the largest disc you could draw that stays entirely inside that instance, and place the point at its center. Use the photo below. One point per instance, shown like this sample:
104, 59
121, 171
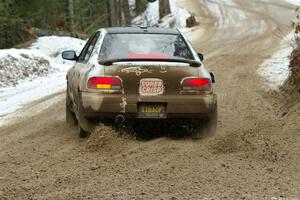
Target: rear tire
208, 127
82, 133
70, 115
85, 126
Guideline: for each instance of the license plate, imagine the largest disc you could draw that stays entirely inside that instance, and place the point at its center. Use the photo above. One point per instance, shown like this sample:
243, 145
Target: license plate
151, 87
153, 111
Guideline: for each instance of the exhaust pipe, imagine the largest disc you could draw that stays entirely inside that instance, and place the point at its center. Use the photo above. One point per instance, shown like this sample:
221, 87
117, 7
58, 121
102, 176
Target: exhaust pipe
120, 119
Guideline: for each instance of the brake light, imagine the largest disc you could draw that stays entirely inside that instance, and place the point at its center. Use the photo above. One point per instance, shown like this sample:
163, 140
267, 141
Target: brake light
197, 84
105, 83
149, 56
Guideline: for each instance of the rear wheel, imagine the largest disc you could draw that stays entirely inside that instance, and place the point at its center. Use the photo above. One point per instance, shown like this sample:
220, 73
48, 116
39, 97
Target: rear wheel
82, 132
207, 128
70, 115
85, 126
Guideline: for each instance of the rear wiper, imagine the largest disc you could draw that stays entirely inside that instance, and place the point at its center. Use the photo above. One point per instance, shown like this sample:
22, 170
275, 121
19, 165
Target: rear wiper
192, 63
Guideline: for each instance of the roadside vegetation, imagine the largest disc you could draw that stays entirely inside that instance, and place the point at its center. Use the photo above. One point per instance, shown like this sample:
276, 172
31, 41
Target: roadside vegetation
21, 21
291, 89
295, 57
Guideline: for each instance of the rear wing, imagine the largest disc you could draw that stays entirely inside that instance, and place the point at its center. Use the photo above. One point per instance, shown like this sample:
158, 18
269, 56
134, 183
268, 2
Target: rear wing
192, 63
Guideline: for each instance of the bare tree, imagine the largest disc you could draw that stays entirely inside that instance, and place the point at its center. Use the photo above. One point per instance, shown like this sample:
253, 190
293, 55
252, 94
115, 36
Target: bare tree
126, 11
71, 15
118, 12
112, 12
164, 8
139, 7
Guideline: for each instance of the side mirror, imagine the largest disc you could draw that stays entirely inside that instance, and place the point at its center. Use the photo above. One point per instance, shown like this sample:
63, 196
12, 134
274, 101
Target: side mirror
69, 55
212, 77
201, 57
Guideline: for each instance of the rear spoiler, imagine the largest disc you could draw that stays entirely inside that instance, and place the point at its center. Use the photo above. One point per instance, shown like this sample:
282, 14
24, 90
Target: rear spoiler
192, 63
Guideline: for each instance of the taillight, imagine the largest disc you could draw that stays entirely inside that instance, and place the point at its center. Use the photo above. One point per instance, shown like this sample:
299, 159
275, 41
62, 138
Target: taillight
197, 84
105, 83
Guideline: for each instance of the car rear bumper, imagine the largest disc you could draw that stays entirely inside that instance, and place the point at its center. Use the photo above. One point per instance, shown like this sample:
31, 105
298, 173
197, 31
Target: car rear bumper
97, 105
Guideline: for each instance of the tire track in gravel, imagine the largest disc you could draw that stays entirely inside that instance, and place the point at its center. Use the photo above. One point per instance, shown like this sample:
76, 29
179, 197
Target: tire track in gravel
253, 156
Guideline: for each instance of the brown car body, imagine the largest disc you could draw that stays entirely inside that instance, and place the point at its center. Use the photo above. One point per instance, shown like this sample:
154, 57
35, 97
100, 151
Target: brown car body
89, 104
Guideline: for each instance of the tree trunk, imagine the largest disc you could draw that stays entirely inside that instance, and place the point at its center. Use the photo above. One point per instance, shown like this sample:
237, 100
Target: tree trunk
119, 17
138, 7
126, 11
112, 13
71, 15
164, 8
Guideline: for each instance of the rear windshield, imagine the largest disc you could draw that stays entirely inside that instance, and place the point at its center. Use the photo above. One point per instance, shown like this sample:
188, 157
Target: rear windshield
160, 46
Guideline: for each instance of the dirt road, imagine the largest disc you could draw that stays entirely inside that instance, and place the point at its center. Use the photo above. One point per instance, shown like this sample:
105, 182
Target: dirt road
255, 154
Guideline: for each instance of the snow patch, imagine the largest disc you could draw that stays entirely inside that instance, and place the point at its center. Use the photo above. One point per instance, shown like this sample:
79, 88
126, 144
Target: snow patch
12, 98
177, 18
44, 70
276, 69
53, 46
150, 17
16, 64
179, 13
132, 6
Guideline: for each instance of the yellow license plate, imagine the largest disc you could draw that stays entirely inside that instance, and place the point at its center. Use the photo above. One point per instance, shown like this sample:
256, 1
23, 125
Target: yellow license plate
152, 111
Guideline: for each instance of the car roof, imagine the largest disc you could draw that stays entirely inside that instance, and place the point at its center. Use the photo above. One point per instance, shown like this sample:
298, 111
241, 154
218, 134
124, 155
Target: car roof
140, 30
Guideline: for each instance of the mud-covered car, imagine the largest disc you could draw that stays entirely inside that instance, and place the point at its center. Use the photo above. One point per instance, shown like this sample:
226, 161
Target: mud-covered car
138, 73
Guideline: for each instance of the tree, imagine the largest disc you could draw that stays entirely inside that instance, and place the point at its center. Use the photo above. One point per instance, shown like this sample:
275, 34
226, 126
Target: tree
112, 12
71, 15
126, 13
118, 12
138, 7
164, 8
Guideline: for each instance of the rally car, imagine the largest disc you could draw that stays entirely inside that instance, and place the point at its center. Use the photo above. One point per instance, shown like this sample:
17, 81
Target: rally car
138, 73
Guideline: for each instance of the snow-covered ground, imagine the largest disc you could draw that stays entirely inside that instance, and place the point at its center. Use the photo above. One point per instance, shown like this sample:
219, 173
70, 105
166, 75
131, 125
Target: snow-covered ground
44, 53
177, 18
276, 69
18, 65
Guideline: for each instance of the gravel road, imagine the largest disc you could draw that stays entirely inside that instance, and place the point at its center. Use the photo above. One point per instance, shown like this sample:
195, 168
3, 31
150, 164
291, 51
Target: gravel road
254, 155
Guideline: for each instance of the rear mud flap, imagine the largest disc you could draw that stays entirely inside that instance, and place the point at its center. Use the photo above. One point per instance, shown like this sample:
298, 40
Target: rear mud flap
83, 122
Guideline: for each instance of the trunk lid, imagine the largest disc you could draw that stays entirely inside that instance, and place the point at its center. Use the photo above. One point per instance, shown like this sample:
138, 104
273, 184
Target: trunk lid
131, 73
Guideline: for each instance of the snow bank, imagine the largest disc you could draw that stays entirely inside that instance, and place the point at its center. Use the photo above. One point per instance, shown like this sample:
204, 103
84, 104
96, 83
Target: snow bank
18, 65
12, 98
33, 73
276, 69
41, 59
53, 46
